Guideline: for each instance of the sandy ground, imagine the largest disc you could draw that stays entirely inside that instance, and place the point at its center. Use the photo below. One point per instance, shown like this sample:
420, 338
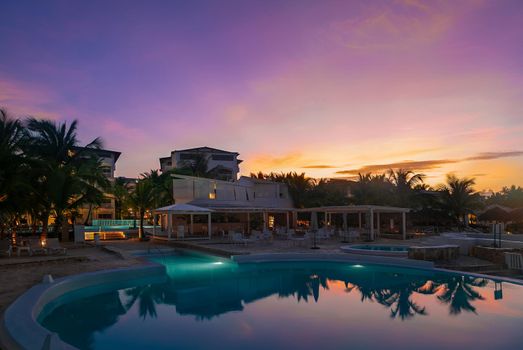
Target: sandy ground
18, 274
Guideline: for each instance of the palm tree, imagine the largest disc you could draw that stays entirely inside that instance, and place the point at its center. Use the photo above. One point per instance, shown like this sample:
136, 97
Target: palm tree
299, 185
14, 168
404, 182
163, 187
458, 197
120, 191
372, 189
142, 198
67, 175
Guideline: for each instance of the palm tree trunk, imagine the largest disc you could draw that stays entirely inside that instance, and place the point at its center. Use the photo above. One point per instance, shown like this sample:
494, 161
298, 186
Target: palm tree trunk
45, 224
65, 231
140, 232
88, 215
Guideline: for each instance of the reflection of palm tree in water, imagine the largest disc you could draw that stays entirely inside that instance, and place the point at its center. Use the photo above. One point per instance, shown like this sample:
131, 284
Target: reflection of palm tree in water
458, 292
304, 286
367, 292
147, 296
397, 298
400, 302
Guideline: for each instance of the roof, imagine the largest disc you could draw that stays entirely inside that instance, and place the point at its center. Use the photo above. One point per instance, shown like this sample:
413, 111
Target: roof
100, 152
205, 149
182, 209
356, 209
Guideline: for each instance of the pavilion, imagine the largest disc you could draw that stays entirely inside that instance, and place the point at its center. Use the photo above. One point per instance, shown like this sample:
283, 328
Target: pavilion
186, 221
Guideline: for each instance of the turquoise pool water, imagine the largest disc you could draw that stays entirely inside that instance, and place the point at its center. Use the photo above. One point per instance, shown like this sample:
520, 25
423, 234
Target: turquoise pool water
209, 303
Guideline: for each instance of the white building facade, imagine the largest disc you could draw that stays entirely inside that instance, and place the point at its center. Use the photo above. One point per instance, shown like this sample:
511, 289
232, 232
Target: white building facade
224, 165
246, 193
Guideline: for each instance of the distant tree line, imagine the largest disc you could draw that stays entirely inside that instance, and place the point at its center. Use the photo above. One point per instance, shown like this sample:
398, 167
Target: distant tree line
445, 204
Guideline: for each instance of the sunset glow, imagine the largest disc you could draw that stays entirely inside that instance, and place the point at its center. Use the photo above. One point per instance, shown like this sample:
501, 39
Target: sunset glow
330, 88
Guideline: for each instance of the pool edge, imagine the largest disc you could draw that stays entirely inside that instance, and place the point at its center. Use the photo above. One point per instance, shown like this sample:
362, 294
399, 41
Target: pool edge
20, 318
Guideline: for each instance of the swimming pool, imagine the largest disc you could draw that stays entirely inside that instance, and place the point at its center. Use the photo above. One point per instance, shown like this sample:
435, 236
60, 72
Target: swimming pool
382, 250
209, 303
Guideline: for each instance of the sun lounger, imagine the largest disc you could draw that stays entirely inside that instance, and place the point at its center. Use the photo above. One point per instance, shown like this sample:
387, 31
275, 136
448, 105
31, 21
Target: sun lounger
300, 239
514, 261
237, 238
53, 246
23, 245
36, 246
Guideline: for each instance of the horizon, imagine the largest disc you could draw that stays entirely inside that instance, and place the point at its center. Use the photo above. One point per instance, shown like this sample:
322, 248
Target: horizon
327, 88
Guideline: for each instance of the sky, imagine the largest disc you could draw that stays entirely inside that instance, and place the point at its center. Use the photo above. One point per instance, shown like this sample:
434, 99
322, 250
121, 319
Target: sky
330, 88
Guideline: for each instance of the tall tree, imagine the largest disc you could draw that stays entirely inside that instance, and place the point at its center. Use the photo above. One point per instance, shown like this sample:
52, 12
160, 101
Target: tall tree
142, 198
458, 198
404, 184
14, 167
67, 174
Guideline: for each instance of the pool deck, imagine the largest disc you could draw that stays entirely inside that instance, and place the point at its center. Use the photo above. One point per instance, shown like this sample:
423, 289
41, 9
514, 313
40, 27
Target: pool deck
21, 273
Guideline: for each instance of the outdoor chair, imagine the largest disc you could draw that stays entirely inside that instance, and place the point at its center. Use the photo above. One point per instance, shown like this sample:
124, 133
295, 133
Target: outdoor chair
514, 261
53, 246
300, 239
238, 238
36, 246
23, 245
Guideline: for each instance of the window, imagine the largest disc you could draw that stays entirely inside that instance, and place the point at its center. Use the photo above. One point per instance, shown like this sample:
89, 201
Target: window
188, 156
105, 216
226, 157
212, 195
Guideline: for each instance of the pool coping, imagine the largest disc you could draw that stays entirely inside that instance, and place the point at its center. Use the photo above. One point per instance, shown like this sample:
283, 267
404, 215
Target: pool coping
20, 318
353, 249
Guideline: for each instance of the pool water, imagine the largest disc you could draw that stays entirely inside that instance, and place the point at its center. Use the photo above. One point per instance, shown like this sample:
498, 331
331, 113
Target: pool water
209, 303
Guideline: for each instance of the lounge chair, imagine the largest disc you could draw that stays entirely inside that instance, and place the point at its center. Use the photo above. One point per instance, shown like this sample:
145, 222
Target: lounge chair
514, 261
5, 247
300, 239
53, 246
23, 245
36, 246
238, 238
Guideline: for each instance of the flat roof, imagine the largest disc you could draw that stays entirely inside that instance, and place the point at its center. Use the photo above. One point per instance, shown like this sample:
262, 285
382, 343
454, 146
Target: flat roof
355, 209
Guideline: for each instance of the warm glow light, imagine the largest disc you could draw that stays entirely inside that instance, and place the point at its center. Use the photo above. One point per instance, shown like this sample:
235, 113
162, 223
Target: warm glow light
104, 235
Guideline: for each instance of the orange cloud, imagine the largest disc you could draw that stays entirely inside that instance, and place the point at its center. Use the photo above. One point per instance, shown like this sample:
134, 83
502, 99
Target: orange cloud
319, 166
427, 164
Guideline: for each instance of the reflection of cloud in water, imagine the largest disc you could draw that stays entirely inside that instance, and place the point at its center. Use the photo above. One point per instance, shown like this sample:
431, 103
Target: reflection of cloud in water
208, 293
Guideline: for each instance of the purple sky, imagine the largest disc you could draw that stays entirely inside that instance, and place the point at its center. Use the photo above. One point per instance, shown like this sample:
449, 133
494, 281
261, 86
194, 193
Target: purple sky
326, 87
